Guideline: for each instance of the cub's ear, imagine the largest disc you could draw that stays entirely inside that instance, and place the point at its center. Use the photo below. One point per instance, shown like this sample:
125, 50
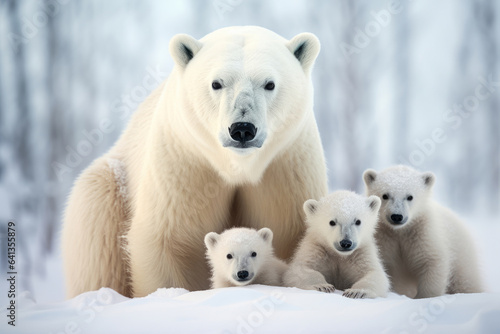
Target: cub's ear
183, 48
310, 207
429, 179
266, 234
211, 240
305, 47
374, 203
369, 176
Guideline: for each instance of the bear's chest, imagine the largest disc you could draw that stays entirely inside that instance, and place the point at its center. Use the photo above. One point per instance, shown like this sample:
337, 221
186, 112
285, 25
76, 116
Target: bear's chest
397, 257
341, 274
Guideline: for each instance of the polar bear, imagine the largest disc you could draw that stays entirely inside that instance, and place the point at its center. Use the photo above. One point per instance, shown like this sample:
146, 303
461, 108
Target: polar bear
425, 248
230, 139
242, 256
338, 250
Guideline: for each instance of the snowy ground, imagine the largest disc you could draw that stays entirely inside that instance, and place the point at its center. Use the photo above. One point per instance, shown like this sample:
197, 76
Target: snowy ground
262, 309
259, 309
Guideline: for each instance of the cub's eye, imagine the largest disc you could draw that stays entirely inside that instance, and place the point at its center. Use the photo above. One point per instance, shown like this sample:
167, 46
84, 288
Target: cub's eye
229, 256
332, 223
216, 85
269, 86
254, 254
409, 198
385, 196
358, 222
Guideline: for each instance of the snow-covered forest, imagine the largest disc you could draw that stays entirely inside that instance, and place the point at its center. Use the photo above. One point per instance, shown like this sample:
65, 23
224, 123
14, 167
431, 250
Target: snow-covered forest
414, 82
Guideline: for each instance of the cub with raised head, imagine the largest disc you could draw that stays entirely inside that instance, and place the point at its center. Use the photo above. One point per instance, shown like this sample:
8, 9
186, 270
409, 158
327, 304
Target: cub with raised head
242, 256
338, 250
425, 248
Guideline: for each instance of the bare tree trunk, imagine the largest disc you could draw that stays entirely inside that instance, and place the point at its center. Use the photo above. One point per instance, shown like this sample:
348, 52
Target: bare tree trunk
402, 111
465, 141
24, 204
56, 135
325, 108
487, 22
349, 111
22, 133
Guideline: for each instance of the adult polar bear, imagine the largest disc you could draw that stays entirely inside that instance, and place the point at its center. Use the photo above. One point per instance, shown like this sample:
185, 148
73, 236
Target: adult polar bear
229, 139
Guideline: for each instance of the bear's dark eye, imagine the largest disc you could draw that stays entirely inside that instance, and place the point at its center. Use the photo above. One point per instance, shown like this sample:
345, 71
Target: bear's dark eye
358, 222
409, 198
254, 254
216, 85
332, 223
385, 196
229, 256
269, 85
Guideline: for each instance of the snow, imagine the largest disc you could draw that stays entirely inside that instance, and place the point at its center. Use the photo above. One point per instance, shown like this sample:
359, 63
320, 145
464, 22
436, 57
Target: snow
257, 309
119, 170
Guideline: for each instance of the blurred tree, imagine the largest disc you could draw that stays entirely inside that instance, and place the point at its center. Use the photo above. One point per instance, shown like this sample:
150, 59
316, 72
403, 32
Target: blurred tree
487, 12
402, 82
21, 133
56, 104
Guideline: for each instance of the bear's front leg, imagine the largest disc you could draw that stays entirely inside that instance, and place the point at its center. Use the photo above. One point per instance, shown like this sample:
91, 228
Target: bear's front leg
432, 277
164, 259
165, 240
306, 278
432, 282
374, 284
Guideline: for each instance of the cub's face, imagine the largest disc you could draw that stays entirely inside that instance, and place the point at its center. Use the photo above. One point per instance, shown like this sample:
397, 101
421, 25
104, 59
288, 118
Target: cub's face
246, 90
239, 253
343, 220
404, 193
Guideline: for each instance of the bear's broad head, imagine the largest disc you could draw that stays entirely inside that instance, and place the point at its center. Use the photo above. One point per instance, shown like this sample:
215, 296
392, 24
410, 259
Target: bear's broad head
239, 253
404, 192
343, 220
244, 94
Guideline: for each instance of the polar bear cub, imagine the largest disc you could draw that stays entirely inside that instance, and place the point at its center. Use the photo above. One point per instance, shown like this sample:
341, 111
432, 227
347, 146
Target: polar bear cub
338, 250
425, 248
242, 256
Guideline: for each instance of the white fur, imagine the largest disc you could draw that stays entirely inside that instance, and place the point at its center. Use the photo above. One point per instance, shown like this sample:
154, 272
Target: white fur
320, 264
183, 182
431, 253
250, 251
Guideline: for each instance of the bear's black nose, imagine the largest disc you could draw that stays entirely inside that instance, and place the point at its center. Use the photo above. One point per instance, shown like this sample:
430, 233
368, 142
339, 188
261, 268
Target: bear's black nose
242, 274
346, 244
242, 132
397, 218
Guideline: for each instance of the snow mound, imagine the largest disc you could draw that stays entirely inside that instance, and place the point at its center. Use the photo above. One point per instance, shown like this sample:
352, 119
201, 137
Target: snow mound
168, 293
257, 309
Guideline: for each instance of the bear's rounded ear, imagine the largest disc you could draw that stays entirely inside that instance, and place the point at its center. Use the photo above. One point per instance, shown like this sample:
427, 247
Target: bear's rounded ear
429, 179
310, 207
305, 47
369, 176
211, 240
374, 203
266, 234
183, 48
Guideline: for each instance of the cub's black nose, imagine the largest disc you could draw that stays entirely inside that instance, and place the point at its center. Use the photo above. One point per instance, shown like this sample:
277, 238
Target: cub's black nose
242, 132
346, 244
242, 274
397, 218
